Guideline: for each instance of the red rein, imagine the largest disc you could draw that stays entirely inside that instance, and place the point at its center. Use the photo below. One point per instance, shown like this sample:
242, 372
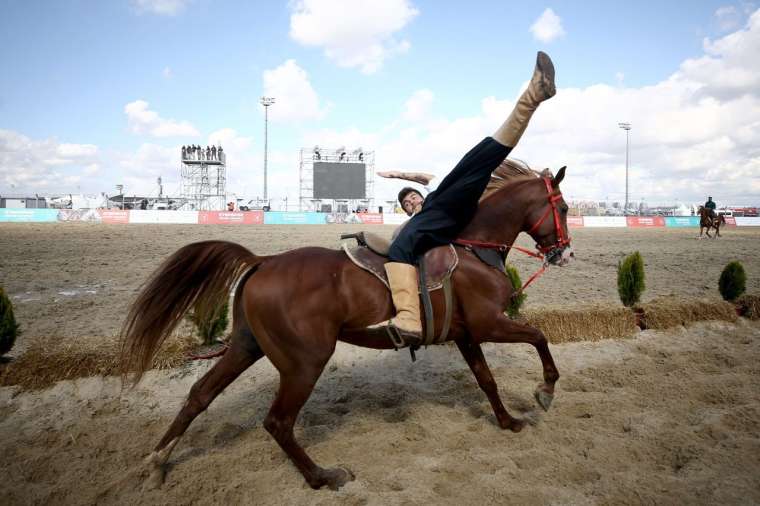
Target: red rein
562, 240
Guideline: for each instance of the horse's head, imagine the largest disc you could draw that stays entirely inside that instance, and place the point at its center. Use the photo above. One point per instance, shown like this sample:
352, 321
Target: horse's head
546, 219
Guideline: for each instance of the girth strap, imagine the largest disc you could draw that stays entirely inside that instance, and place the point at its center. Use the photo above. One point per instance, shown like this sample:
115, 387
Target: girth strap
427, 305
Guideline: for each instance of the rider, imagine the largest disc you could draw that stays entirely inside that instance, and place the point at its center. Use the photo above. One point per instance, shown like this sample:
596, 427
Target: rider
710, 206
438, 219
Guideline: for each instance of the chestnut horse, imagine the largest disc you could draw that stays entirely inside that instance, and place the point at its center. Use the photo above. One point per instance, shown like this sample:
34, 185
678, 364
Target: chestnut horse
707, 222
295, 306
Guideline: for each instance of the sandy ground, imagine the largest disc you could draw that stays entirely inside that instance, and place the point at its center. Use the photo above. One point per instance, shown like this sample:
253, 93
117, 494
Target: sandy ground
664, 418
667, 417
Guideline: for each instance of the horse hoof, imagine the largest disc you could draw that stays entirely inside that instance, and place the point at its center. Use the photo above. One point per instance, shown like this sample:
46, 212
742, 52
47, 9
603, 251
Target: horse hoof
155, 479
543, 398
335, 478
515, 425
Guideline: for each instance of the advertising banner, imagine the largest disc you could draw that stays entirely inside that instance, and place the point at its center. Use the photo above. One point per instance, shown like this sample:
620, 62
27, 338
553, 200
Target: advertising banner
604, 221
286, 218
231, 217
682, 221
645, 221
179, 217
730, 221
163, 216
21, 215
394, 218
370, 218
113, 216
140, 216
87, 215
575, 221
342, 218
746, 221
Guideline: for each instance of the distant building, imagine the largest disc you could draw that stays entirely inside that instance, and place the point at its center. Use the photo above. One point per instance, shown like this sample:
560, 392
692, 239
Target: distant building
21, 202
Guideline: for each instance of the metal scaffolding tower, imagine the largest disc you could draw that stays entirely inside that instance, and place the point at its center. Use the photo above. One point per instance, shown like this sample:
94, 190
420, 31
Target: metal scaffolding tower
204, 181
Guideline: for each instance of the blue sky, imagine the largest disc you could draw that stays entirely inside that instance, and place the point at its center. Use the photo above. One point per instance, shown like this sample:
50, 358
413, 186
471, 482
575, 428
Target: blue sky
95, 94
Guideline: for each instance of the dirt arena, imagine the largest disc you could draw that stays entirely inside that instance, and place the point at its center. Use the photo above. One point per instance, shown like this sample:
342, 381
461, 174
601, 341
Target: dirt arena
667, 417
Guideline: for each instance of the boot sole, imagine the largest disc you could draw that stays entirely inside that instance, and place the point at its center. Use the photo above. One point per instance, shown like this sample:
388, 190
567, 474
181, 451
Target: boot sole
545, 65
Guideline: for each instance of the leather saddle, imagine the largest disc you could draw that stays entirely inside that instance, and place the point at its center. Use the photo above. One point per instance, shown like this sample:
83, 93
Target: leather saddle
435, 269
371, 254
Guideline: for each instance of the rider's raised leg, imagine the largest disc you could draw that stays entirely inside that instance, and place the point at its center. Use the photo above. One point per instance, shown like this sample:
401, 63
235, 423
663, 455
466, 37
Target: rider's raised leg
540, 88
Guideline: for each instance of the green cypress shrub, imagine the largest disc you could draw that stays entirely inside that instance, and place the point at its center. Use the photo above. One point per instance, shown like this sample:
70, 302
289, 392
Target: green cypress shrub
213, 325
513, 308
733, 281
8, 326
631, 279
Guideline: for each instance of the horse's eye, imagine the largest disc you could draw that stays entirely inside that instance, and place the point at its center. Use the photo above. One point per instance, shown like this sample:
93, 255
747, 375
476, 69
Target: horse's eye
563, 210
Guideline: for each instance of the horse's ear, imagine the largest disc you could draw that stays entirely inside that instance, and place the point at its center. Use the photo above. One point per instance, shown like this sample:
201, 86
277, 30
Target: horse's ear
559, 177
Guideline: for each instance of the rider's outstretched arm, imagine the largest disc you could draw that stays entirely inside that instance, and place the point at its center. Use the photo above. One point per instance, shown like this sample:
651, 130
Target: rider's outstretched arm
422, 178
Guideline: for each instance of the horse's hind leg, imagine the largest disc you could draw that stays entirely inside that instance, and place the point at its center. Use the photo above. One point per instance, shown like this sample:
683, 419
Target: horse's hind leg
297, 380
237, 359
473, 354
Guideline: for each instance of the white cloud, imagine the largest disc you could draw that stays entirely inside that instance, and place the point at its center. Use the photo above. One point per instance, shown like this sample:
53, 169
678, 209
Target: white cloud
418, 106
143, 121
727, 17
295, 99
161, 7
547, 27
30, 166
730, 67
352, 34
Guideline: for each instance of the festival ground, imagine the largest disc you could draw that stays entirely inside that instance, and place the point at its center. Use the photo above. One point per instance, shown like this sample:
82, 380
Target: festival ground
665, 417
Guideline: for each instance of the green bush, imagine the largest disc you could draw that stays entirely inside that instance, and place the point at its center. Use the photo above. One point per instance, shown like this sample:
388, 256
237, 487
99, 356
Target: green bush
8, 326
631, 279
213, 325
733, 281
513, 308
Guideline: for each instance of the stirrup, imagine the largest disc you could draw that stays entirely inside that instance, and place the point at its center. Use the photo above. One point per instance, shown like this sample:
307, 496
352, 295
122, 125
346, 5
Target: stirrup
400, 339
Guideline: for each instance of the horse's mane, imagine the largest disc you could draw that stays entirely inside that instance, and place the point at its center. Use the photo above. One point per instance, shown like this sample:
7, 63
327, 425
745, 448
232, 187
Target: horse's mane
509, 171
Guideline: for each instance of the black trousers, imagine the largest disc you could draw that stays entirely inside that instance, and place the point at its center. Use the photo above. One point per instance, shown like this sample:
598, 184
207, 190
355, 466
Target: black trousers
448, 210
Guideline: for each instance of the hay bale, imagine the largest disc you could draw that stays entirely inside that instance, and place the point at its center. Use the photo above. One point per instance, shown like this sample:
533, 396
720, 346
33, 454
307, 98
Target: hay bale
666, 312
587, 323
44, 364
749, 305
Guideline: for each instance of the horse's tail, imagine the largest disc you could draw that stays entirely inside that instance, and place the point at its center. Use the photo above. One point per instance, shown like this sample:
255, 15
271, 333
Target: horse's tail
199, 275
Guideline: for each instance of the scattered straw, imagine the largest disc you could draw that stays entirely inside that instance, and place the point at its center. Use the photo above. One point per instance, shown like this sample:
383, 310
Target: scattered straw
749, 306
43, 365
665, 312
589, 323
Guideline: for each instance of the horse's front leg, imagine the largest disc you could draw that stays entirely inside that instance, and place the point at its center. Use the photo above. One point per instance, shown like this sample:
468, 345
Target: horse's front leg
473, 354
505, 330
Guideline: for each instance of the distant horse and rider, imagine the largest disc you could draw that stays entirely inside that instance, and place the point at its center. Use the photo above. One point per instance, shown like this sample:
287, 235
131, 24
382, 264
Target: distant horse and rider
709, 219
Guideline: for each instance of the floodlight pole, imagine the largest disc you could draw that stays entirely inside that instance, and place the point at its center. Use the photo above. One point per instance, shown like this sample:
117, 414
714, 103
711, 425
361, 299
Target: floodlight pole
266, 102
627, 128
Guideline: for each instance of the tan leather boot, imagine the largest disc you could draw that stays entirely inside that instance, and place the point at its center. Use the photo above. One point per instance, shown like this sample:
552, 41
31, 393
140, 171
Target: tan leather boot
540, 88
406, 325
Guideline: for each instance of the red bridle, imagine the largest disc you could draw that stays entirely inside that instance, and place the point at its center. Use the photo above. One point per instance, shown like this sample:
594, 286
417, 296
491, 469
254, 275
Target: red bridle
562, 239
